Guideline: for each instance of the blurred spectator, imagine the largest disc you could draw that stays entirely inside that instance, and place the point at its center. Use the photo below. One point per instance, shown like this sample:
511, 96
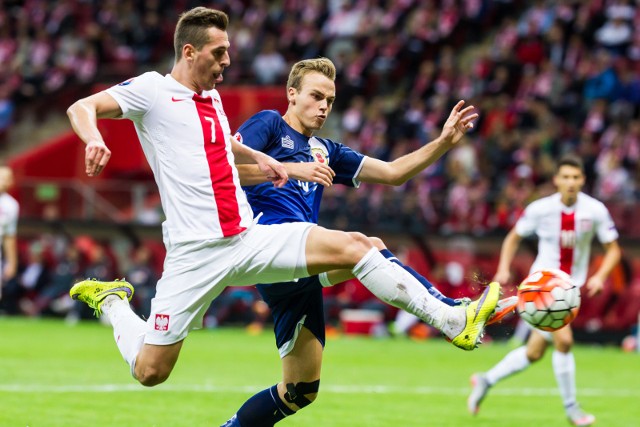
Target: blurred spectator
6, 114
269, 65
54, 297
238, 305
33, 277
616, 34
143, 277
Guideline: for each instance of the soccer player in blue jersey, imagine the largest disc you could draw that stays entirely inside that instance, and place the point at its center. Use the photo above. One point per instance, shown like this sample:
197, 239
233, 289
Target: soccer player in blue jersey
313, 163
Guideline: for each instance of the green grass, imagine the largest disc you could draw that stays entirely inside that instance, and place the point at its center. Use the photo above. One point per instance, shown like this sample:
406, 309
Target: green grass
55, 375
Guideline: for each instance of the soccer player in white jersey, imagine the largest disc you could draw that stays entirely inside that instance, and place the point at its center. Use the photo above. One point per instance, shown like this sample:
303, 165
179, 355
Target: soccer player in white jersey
211, 237
9, 210
565, 224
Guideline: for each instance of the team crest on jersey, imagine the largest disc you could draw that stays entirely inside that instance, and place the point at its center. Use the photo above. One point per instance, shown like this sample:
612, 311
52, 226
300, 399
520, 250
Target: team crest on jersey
287, 142
585, 225
126, 82
319, 155
238, 137
162, 322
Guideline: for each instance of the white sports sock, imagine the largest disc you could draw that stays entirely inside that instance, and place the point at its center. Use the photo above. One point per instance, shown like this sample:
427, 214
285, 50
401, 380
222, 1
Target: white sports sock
564, 367
394, 285
128, 328
515, 361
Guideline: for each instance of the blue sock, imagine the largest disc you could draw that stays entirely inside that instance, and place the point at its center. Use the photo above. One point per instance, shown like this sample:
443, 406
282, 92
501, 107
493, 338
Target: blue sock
427, 284
263, 409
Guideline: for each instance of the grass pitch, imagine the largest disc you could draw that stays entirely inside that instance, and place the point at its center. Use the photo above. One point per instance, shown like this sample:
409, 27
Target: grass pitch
54, 375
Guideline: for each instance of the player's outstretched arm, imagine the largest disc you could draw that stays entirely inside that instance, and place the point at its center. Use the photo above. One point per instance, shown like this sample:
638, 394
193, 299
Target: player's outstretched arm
270, 168
303, 171
84, 115
406, 167
507, 252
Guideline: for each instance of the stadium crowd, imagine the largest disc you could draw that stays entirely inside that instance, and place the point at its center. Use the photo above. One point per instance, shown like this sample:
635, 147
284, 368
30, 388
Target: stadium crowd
547, 76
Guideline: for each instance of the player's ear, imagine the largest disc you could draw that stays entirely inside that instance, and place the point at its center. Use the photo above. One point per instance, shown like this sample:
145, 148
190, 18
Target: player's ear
291, 95
188, 52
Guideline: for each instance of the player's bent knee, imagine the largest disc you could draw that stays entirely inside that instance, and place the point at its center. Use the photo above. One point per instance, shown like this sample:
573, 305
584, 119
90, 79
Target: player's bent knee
534, 355
359, 242
302, 394
150, 376
564, 346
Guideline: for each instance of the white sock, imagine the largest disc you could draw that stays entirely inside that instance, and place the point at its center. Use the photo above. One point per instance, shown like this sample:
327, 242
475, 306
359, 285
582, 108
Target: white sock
564, 367
515, 361
128, 328
394, 285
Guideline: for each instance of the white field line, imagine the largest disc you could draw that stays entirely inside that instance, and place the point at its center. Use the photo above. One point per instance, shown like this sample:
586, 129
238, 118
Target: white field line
337, 389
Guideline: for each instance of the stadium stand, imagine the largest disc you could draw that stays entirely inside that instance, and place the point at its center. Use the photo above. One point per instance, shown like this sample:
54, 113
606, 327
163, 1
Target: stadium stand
547, 77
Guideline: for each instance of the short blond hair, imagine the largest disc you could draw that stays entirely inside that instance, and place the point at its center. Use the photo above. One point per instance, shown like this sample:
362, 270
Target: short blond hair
300, 69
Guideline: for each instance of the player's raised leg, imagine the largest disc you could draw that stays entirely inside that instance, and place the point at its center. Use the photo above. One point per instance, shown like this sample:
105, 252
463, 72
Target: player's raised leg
504, 307
330, 250
151, 366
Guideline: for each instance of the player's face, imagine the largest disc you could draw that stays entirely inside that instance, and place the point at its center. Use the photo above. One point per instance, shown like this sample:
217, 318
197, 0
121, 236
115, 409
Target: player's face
209, 62
312, 104
569, 181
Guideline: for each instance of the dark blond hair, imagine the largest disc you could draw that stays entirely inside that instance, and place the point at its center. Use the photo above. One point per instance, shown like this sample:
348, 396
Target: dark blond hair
193, 25
300, 69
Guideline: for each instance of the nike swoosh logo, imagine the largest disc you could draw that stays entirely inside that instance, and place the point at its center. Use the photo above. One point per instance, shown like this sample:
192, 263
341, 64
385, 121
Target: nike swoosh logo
178, 100
484, 296
112, 290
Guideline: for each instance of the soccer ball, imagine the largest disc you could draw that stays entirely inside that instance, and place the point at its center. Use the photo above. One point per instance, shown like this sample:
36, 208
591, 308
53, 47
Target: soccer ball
548, 299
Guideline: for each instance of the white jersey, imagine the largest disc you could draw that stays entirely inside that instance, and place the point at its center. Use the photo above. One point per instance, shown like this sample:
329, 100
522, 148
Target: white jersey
9, 210
565, 233
185, 138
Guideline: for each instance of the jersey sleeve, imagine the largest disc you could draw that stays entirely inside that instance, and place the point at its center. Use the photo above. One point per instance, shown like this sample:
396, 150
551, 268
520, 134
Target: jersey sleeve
256, 132
346, 163
135, 96
605, 228
528, 222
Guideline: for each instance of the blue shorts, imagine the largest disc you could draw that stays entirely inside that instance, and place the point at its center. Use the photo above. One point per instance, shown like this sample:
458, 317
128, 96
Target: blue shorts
294, 304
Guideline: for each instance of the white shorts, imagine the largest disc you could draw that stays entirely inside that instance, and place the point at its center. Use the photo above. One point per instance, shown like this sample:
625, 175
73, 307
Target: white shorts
197, 272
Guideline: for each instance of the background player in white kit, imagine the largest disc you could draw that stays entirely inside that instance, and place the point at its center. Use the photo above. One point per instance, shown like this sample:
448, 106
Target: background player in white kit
565, 223
9, 210
211, 237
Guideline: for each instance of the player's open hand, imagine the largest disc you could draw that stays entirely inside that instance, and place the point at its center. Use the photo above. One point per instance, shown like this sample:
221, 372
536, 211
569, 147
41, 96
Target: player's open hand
459, 122
317, 172
502, 277
96, 157
273, 170
594, 286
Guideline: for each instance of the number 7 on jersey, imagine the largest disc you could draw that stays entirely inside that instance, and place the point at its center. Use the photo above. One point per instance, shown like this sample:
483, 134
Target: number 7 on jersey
213, 128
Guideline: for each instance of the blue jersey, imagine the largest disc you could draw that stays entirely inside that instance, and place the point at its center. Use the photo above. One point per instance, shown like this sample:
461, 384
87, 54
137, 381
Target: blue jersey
297, 201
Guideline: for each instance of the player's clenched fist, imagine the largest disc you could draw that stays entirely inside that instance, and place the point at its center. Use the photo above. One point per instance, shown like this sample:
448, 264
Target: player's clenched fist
312, 172
96, 157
